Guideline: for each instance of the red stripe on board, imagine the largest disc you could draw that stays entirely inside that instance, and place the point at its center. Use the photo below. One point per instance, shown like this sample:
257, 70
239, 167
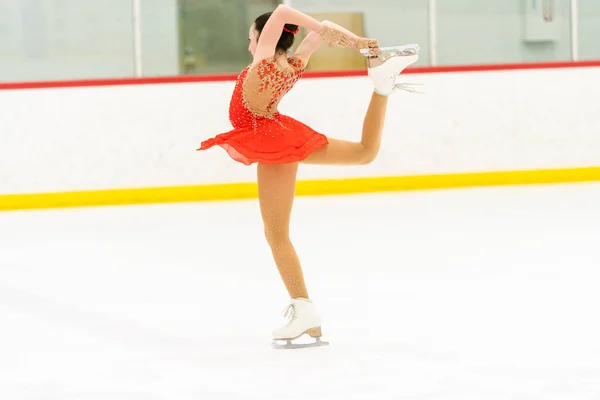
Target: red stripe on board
309, 74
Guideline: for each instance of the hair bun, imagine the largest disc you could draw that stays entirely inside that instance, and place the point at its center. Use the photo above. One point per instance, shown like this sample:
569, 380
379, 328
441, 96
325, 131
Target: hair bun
293, 31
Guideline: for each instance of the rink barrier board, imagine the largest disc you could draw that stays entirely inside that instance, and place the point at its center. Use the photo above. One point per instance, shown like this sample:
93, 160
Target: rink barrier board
241, 191
321, 187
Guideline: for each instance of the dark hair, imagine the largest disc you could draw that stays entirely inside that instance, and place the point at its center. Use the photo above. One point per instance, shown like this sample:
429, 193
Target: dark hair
286, 40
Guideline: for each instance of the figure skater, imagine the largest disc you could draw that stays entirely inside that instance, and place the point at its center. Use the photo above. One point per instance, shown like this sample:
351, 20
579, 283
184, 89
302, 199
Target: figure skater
278, 143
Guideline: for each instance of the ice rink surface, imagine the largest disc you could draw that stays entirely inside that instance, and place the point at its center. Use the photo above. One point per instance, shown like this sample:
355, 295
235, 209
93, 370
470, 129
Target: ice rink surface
476, 294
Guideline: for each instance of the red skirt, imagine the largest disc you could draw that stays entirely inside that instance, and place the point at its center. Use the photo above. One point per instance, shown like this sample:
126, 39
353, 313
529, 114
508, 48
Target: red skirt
277, 140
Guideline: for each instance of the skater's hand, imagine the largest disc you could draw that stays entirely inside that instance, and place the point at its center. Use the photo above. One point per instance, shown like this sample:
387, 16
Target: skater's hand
367, 43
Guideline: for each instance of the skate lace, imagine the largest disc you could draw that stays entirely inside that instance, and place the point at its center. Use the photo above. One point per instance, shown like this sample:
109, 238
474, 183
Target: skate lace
289, 313
408, 87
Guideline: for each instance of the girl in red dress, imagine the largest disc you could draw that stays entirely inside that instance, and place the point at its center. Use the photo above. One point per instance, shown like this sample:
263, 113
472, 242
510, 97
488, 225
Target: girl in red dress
279, 143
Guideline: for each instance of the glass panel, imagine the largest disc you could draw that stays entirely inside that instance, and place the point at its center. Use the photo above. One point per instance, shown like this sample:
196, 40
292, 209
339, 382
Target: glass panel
65, 39
160, 37
213, 34
75, 39
589, 29
503, 31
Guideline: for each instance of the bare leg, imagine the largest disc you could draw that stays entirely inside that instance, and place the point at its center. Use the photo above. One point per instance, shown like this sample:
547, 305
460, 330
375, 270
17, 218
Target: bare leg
343, 152
276, 191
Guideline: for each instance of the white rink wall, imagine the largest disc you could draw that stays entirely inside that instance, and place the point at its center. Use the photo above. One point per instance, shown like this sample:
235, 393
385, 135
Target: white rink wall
88, 138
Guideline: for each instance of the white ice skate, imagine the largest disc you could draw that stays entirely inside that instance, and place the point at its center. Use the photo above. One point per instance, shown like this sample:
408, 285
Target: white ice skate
383, 71
303, 320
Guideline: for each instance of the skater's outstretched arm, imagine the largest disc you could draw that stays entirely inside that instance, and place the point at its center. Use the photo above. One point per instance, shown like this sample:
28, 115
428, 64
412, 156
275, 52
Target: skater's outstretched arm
313, 40
335, 34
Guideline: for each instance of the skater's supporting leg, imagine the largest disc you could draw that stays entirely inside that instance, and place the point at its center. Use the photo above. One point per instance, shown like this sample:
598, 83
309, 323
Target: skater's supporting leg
276, 190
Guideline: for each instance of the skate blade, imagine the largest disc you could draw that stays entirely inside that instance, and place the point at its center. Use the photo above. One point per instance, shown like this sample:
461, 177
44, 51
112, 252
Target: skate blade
291, 345
407, 49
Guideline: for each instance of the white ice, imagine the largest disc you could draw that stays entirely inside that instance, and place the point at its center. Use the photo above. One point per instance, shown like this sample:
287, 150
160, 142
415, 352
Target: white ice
478, 294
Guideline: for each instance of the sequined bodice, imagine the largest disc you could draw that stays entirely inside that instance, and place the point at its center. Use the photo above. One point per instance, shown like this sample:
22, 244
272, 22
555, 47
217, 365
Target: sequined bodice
260, 88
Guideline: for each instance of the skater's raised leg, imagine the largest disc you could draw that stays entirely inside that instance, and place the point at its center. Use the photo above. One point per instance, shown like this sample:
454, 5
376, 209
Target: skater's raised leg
383, 72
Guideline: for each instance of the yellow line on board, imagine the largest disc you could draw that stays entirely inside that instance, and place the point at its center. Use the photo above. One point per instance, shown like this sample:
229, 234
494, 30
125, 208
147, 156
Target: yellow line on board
240, 191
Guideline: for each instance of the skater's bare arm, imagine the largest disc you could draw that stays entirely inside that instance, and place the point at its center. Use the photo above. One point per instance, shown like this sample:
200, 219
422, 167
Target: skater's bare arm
330, 32
311, 42
271, 33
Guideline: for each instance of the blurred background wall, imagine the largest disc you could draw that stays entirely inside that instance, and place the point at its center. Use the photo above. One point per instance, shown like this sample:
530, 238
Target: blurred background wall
77, 39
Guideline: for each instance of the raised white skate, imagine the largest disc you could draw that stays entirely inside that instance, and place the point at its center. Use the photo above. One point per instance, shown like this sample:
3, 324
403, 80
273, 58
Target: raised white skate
384, 70
303, 319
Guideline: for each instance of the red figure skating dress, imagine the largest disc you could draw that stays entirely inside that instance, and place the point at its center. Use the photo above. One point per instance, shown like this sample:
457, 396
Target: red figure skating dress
261, 133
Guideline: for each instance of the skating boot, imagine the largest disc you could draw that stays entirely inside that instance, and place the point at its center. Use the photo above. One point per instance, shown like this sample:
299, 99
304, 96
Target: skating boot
303, 319
383, 70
